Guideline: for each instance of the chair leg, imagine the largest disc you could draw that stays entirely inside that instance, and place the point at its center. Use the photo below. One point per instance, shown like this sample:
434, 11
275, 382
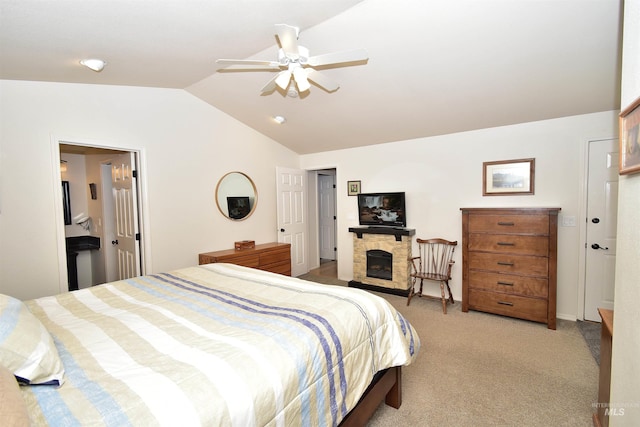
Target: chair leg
450, 294
411, 291
444, 300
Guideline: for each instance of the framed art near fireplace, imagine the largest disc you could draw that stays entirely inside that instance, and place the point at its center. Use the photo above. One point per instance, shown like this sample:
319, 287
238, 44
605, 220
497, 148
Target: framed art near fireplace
630, 139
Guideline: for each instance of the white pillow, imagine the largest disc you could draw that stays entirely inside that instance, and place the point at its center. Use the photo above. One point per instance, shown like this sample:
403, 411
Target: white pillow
26, 348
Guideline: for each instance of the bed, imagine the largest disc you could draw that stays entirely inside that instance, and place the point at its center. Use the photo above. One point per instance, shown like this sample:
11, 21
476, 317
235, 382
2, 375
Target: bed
216, 344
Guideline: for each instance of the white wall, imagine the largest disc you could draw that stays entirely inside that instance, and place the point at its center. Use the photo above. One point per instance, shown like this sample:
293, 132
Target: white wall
625, 365
442, 174
186, 145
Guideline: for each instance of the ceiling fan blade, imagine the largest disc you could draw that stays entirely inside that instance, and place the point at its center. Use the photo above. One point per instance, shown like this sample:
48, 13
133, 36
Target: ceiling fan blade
288, 36
283, 78
338, 57
271, 85
322, 81
248, 62
300, 76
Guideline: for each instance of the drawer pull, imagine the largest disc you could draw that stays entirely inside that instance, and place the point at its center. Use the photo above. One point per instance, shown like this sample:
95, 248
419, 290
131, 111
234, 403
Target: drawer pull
505, 283
508, 224
510, 264
506, 244
510, 304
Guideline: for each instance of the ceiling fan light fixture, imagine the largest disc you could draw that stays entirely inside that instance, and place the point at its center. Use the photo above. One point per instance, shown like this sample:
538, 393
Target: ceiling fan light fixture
94, 64
283, 79
292, 92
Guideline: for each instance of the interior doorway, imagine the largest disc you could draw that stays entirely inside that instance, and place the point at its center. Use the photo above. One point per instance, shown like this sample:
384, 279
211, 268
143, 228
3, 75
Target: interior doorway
100, 174
327, 217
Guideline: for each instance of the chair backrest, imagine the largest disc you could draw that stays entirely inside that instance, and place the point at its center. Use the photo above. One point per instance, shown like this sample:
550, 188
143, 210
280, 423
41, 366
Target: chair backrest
435, 257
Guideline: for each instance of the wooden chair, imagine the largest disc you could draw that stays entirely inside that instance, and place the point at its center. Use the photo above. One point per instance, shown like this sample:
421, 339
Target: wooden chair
433, 263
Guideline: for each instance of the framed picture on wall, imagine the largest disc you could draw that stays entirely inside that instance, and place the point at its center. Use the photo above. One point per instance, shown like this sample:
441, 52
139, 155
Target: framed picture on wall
353, 188
630, 139
508, 177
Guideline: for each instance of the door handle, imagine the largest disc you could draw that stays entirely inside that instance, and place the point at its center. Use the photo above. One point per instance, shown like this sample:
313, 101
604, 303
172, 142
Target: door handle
114, 242
597, 246
282, 230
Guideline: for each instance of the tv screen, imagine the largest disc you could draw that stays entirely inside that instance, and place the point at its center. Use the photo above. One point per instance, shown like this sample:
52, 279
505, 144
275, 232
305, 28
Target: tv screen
382, 209
239, 207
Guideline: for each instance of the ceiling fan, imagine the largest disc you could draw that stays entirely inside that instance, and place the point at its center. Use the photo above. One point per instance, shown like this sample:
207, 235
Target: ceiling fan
295, 63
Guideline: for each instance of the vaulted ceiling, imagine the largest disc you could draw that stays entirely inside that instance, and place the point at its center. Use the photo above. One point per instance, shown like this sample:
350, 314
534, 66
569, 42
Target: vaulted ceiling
435, 66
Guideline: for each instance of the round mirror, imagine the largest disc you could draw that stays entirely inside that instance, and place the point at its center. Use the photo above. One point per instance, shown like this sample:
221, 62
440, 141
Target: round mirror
236, 196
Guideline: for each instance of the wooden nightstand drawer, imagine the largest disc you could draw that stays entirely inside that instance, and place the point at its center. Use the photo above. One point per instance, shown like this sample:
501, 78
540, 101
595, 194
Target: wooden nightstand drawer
509, 284
508, 224
512, 244
509, 305
510, 264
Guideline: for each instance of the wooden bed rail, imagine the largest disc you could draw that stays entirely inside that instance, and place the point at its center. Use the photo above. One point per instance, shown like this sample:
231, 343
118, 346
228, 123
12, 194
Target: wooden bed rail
387, 387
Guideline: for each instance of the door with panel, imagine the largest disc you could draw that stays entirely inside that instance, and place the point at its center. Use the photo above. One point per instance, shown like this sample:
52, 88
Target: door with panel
602, 212
292, 216
126, 215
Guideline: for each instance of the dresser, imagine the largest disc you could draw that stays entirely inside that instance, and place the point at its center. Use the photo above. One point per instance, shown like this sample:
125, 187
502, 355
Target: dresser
509, 262
274, 257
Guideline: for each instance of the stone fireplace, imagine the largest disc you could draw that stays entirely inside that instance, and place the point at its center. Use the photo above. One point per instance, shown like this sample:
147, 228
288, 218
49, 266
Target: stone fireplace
381, 258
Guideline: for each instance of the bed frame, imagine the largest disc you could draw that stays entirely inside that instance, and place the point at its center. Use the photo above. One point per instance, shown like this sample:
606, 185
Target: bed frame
387, 386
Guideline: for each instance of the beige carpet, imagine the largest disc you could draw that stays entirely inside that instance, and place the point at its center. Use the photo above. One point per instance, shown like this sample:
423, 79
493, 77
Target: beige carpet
477, 369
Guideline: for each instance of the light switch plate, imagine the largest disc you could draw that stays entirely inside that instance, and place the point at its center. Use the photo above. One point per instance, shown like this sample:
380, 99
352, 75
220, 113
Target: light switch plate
568, 221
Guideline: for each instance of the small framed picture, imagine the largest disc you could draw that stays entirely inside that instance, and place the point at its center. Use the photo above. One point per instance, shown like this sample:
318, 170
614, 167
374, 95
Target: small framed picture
353, 188
508, 177
630, 139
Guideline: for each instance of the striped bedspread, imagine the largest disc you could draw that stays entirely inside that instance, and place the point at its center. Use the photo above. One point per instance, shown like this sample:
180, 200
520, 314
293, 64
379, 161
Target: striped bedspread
216, 345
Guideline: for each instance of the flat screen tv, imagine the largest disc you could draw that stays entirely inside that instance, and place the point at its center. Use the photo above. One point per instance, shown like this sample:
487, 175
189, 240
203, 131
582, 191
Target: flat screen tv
382, 209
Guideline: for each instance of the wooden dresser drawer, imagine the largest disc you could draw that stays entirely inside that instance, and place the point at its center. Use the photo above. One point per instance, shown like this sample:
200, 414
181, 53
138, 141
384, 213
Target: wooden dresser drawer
509, 305
509, 224
282, 267
509, 284
272, 257
508, 263
507, 243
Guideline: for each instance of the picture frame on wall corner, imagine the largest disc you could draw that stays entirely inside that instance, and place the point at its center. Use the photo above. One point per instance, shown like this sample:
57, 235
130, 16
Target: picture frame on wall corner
508, 177
630, 139
353, 188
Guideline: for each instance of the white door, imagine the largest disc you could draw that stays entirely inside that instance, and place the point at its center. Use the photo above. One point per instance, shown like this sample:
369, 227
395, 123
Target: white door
109, 225
292, 216
327, 216
126, 215
602, 208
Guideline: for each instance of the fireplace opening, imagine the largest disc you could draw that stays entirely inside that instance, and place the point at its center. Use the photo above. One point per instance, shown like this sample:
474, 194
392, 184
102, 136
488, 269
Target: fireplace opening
380, 264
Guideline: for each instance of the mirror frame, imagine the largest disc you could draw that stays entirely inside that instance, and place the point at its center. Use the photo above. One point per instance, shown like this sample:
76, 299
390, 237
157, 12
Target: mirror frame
255, 196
